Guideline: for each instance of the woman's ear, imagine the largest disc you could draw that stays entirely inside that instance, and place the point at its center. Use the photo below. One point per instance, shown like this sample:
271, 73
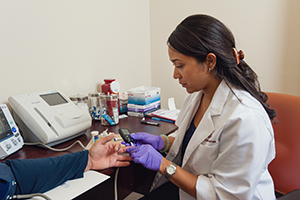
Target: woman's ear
211, 61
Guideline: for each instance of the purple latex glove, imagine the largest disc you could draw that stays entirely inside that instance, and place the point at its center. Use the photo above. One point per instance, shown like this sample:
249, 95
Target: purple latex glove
145, 138
146, 155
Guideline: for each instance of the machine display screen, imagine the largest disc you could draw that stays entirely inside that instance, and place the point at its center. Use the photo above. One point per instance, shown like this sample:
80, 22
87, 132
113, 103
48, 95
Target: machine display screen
53, 99
5, 130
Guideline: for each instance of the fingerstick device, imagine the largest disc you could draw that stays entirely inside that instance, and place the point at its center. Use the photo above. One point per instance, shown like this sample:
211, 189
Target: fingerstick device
125, 134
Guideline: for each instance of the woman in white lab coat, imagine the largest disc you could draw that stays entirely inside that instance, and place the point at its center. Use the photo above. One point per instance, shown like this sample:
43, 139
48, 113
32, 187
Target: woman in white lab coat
225, 139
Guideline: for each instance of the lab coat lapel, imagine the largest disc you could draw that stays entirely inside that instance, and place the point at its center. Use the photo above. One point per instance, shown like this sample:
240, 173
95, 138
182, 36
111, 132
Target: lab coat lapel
206, 126
186, 119
204, 129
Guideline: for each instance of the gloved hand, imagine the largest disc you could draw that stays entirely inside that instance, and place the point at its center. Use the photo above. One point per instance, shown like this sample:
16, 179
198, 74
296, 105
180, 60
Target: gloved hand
145, 138
146, 155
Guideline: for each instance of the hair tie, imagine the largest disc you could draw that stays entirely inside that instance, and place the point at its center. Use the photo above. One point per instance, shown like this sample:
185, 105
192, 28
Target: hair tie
238, 55
241, 55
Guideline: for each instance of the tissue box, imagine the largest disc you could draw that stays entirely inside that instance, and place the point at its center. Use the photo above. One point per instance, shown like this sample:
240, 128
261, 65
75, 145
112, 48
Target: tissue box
143, 95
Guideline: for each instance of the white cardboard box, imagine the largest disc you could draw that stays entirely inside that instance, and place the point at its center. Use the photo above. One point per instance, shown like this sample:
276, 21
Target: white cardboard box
143, 95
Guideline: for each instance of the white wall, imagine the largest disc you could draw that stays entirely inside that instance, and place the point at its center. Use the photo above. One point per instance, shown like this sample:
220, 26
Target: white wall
72, 45
267, 32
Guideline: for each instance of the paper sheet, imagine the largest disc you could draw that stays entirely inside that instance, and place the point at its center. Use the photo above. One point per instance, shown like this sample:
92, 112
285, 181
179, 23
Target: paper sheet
73, 188
171, 103
170, 114
166, 114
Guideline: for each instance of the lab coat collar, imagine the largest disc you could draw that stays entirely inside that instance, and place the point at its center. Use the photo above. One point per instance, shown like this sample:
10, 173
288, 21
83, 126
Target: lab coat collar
206, 126
219, 99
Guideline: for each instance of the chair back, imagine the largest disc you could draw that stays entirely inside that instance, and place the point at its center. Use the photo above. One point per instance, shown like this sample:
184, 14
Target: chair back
285, 168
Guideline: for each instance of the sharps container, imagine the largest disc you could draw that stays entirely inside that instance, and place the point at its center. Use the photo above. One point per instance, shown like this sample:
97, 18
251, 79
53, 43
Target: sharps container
111, 86
109, 109
94, 105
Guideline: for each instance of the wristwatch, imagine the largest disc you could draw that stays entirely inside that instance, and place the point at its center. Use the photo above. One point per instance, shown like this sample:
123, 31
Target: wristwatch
170, 170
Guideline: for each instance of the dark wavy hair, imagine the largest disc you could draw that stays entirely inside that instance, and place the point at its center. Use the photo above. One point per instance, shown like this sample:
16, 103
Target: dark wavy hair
199, 35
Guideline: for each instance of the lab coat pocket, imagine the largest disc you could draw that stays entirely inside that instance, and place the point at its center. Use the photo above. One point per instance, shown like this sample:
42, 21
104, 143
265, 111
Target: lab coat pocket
202, 158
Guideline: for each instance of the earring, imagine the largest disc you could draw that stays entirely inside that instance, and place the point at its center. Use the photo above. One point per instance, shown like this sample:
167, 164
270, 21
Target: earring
210, 70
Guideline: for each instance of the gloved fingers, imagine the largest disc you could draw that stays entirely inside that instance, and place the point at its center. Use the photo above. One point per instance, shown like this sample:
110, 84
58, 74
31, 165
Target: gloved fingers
131, 150
146, 155
147, 138
139, 158
138, 136
125, 143
137, 154
135, 143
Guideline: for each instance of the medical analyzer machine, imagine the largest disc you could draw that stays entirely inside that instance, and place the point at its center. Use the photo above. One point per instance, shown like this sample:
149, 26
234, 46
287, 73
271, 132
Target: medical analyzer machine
48, 117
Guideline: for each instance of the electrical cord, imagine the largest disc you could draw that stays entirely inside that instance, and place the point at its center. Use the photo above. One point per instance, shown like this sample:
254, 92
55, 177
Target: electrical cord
27, 196
116, 183
54, 149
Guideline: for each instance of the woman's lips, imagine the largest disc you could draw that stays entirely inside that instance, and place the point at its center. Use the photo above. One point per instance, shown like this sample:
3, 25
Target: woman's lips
183, 84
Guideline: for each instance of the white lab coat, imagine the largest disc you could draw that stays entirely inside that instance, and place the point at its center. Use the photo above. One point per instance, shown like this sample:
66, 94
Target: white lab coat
230, 150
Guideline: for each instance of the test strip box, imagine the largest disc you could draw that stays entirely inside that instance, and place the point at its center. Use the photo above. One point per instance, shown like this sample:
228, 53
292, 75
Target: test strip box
143, 108
143, 95
142, 114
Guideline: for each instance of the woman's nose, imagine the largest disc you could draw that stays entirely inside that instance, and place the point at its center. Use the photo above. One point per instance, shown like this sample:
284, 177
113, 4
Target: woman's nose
176, 74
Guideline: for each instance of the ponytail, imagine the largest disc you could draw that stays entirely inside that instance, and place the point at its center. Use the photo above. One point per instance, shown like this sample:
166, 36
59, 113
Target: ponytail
243, 77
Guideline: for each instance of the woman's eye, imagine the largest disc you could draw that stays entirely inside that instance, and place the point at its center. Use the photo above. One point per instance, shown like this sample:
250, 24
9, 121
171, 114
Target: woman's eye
178, 65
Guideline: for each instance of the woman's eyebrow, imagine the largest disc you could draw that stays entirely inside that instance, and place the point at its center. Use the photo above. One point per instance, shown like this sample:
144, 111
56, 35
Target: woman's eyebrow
175, 60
